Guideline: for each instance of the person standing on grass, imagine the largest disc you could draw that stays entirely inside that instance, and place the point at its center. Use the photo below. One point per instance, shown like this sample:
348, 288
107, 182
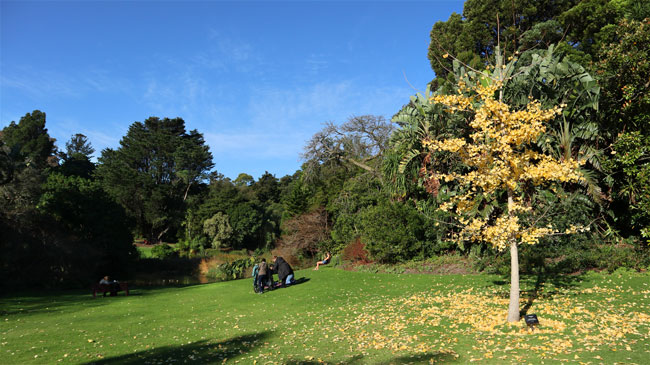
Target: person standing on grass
261, 275
325, 261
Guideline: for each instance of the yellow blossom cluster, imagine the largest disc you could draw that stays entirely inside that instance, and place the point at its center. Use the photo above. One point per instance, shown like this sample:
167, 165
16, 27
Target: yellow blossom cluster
500, 157
455, 102
504, 228
550, 169
450, 145
502, 231
532, 235
575, 229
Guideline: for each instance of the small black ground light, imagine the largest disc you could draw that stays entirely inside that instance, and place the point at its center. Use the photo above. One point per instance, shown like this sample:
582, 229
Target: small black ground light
531, 320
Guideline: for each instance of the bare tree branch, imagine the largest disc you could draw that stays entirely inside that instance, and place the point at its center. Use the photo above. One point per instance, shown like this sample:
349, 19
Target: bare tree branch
357, 141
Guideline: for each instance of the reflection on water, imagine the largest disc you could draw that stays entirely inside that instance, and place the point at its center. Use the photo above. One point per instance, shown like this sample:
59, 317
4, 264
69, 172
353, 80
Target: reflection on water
170, 280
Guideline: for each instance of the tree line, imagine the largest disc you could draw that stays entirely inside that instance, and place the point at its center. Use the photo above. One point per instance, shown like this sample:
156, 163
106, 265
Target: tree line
371, 185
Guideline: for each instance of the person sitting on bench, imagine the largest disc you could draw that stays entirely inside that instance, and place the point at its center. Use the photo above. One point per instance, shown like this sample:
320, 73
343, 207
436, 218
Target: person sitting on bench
114, 285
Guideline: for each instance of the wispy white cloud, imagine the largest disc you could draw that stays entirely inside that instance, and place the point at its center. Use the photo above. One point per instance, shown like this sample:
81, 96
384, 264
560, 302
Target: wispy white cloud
303, 108
225, 53
255, 145
101, 136
209, 62
236, 51
255, 152
47, 90
101, 80
183, 94
200, 85
279, 121
316, 63
300, 106
47, 84
101, 140
41, 84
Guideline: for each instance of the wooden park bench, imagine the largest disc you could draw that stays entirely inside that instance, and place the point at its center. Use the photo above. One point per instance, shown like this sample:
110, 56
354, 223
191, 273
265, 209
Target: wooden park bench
109, 288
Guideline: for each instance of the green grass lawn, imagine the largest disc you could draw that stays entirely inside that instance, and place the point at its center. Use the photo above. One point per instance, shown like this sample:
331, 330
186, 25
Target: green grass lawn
145, 251
337, 317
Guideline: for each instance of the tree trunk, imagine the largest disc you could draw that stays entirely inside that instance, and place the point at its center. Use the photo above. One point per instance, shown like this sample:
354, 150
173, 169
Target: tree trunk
159, 238
513, 307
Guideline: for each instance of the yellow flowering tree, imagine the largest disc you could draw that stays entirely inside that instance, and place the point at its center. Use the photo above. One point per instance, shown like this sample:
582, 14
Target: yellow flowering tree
502, 163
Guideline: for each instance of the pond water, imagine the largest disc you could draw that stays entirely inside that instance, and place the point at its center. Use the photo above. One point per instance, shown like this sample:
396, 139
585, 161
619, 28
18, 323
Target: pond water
169, 280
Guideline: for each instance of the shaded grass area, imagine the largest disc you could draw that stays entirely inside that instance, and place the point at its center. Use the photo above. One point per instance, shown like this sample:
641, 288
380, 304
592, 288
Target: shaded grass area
337, 317
198, 351
145, 251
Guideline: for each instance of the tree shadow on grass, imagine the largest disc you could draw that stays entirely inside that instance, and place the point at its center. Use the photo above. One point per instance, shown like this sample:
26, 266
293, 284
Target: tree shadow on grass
425, 358
278, 285
544, 284
355, 360
299, 281
48, 302
199, 352
542, 289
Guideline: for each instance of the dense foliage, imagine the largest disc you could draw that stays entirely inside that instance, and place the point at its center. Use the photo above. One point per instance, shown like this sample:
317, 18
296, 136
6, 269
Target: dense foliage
152, 172
58, 227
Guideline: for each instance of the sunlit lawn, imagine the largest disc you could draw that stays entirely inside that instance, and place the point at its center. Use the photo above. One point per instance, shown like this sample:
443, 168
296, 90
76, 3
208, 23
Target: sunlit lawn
336, 317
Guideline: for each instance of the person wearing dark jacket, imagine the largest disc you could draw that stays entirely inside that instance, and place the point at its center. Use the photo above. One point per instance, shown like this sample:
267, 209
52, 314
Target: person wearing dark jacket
283, 269
114, 285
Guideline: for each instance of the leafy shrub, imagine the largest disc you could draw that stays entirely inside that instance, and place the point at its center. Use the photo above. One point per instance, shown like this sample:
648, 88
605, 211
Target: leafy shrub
355, 252
358, 194
218, 229
607, 256
394, 232
222, 257
336, 260
241, 252
191, 247
629, 177
344, 230
163, 252
212, 252
571, 254
289, 255
233, 270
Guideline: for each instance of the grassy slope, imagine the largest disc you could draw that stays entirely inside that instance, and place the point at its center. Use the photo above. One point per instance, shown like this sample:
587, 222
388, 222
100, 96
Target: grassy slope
336, 317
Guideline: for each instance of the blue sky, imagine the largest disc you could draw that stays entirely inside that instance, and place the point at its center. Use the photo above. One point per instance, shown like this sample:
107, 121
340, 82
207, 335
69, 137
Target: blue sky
258, 79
